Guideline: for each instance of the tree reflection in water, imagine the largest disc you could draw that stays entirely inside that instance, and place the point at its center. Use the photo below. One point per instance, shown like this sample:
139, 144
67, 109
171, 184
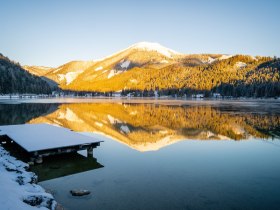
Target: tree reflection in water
147, 127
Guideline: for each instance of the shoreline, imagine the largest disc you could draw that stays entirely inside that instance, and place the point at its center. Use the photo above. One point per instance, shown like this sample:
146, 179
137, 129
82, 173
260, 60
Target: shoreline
137, 100
19, 188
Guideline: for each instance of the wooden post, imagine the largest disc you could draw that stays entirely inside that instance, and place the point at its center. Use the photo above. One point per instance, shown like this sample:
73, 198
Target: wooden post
39, 159
31, 161
89, 151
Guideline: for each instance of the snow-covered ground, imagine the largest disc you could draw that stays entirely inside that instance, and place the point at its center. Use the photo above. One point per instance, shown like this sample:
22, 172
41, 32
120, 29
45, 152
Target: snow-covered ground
149, 46
70, 76
241, 64
98, 68
17, 186
113, 73
25, 135
146, 46
125, 64
224, 57
125, 129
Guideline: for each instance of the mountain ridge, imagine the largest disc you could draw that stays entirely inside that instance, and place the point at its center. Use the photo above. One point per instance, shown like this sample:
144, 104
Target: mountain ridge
137, 55
148, 66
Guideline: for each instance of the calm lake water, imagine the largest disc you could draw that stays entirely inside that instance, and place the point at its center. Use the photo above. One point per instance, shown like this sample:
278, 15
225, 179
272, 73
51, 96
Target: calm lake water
162, 154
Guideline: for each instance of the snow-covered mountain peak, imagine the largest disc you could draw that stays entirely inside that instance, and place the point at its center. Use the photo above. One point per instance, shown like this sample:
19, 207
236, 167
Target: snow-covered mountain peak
151, 46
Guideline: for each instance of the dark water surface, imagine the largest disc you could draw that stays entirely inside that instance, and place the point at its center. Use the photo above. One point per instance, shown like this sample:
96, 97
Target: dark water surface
167, 155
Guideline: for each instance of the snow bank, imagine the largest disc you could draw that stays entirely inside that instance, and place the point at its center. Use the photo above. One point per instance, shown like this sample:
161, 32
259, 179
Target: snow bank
147, 46
99, 124
125, 64
18, 189
241, 64
61, 77
26, 134
224, 57
113, 120
125, 129
211, 60
98, 68
69, 77
253, 57
113, 73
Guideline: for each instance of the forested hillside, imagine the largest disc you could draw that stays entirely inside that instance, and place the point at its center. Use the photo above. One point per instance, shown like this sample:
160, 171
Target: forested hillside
236, 76
14, 79
145, 68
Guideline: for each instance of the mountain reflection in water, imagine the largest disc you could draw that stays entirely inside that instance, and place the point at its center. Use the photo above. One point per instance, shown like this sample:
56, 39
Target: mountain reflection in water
206, 169
149, 127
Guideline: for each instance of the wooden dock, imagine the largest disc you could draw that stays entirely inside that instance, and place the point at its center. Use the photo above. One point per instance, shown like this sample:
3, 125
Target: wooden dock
41, 140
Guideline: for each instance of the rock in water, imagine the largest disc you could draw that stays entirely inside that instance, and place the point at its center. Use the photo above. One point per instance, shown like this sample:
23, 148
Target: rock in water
79, 192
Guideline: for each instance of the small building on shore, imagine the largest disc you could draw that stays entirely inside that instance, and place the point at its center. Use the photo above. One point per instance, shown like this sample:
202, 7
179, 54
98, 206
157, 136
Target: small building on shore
200, 95
217, 95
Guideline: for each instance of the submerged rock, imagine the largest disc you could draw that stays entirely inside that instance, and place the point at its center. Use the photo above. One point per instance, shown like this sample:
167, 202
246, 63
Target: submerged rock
30, 163
59, 207
79, 192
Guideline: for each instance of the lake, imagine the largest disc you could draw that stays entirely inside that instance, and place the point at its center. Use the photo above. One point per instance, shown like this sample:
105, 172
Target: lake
161, 154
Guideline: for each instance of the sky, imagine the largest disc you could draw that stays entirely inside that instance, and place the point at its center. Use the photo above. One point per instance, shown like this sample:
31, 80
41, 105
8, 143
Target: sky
51, 33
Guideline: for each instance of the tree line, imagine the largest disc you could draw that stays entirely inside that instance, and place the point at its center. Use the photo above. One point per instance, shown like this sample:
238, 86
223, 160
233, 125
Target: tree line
14, 79
237, 76
258, 77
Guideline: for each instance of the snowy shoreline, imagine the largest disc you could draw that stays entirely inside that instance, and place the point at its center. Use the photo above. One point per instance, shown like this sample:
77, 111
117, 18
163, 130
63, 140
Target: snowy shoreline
18, 186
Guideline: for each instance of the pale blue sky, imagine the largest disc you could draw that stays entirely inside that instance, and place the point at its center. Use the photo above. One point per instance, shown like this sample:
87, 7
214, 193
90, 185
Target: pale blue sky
50, 33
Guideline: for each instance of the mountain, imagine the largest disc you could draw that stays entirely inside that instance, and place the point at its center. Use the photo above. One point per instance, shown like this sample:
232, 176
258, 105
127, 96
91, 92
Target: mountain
15, 79
143, 54
146, 66
38, 70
